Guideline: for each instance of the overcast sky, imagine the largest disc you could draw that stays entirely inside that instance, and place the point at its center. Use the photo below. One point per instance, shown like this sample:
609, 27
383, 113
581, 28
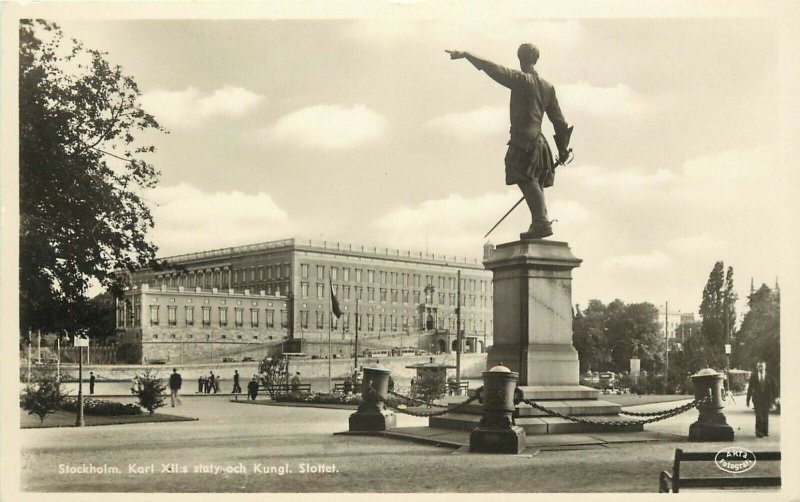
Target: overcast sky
365, 132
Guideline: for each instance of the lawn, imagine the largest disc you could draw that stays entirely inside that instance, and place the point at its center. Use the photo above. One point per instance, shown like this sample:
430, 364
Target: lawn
67, 419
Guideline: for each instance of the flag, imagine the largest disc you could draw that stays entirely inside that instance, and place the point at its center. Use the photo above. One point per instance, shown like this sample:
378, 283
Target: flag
335, 303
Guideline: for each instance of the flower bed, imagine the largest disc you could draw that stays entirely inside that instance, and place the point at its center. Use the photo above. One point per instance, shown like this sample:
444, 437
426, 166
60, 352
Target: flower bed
101, 407
334, 398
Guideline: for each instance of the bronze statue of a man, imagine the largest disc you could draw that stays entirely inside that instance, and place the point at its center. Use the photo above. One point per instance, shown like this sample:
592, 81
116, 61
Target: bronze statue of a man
529, 162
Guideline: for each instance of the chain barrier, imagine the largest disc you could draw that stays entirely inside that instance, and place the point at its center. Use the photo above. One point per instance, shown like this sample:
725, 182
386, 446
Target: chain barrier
662, 412
622, 423
435, 413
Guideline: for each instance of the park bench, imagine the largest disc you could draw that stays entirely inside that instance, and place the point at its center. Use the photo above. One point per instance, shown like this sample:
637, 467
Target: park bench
676, 482
284, 388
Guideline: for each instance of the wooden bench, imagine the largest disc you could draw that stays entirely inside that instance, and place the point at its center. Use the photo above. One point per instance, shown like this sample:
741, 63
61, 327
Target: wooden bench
284, 388
677, 483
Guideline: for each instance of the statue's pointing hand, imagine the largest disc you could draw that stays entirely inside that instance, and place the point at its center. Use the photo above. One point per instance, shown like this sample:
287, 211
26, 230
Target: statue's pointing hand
456, 54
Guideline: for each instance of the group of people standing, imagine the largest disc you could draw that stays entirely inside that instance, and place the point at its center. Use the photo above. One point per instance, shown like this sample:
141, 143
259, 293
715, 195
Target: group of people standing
206, 384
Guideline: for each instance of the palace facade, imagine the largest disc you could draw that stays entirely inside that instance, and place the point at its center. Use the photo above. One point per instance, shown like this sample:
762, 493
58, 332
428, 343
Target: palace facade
278, 293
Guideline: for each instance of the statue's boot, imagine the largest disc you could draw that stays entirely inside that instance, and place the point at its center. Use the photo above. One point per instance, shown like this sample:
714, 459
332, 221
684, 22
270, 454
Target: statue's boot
538, 230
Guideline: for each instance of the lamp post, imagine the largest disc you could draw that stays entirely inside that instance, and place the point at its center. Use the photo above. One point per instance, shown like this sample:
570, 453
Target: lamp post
80, 342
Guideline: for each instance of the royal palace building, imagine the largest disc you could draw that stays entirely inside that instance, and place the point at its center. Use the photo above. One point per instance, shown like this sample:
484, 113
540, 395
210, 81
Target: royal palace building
238, 301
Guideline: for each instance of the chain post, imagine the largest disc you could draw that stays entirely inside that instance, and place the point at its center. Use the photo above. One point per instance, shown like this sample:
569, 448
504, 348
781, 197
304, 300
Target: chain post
372, 414
497, 432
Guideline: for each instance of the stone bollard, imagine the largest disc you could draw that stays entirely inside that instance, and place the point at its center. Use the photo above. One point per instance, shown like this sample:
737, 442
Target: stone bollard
372, 414
496, 432
711, 425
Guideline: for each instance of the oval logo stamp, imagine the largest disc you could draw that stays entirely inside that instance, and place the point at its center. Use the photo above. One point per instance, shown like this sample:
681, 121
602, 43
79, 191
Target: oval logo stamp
735, 459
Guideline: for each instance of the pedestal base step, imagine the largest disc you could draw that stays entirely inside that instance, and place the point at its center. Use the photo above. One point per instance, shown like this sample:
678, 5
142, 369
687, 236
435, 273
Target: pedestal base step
558, 392
538, 425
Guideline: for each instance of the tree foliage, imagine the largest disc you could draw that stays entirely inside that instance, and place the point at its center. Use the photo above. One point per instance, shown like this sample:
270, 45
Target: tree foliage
759, 333
607, 336
718, 314
81, 174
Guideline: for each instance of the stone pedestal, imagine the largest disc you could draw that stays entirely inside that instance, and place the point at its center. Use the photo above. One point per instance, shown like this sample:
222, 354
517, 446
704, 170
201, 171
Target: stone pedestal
533, 312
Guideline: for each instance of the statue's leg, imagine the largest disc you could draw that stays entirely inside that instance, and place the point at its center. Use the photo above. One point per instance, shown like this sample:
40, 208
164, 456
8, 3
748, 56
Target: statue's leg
534, 197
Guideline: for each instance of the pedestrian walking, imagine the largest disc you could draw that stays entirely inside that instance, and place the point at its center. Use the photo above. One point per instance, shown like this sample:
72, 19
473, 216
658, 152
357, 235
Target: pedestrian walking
92, 380
201, 384
237, 389
215, 384
252, 388
762, 391
175, 382
348, 385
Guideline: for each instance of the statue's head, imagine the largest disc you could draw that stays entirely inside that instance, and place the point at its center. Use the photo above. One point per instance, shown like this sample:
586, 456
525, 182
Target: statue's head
528, 55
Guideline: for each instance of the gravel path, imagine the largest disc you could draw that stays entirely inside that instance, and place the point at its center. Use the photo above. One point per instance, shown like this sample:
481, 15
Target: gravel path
268, 442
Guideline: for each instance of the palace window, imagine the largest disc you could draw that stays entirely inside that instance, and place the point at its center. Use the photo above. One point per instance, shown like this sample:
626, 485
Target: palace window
254, 318
358, 275
172, 315
320, 319
304, 319
304, 271
370, 276
320, 290
284, 319
304, 289
320, 271
358, 293
383, 277
239, 317
270, 318
335, 273
345, 274
190, 316
223, 316
154, 314
206, 316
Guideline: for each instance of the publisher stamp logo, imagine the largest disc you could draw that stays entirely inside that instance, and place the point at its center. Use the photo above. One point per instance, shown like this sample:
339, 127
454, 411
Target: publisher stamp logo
735, 459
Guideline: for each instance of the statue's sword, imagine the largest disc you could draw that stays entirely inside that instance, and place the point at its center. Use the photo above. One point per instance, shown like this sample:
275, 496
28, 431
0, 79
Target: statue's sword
559, 162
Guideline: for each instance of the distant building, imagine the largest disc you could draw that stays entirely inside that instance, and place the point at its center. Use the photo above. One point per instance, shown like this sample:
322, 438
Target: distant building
673, 322
265, 294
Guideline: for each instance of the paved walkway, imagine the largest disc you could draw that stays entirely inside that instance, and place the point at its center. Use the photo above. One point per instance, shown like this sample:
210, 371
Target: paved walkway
282, 449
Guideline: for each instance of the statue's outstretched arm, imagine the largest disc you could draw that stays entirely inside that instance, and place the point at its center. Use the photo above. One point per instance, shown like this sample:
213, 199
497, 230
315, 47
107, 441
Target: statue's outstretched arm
500, 74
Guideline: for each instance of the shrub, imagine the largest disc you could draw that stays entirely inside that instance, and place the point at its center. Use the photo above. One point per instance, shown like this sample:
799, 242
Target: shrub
101, 407
45, 395
150, 391
428, 386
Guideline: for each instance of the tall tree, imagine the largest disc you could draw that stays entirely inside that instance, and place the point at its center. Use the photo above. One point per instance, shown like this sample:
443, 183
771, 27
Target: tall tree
760, 330
718, 313
589, 337
82, 171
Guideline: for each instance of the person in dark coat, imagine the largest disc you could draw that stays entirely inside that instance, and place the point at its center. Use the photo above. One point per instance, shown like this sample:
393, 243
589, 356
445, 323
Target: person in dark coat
201, 383
92, 380
252, 388
175, 382
348, 385
237, 389
762, 391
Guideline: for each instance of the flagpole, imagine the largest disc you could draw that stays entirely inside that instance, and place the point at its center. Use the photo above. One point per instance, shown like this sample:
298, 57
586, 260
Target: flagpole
330, 321
355, 363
